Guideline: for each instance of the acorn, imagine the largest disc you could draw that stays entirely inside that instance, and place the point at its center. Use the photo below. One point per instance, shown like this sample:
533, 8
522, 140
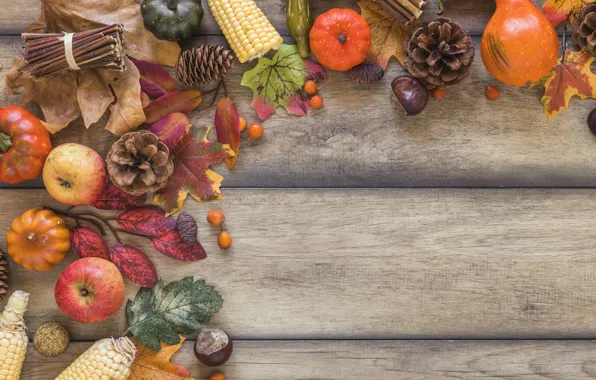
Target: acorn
51, 339
213, 347
409, 95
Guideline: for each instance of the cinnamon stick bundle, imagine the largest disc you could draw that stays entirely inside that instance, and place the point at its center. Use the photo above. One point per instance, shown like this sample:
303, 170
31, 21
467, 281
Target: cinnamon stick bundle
50, 53
405, 11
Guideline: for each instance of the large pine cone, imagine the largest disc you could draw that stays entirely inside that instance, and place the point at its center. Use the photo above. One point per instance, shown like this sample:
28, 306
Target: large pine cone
3, 275
440, 54
583, 29
139, 163
203, 64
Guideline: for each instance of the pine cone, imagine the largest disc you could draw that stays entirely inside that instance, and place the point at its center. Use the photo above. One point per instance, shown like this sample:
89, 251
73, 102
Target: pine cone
583, 30
440, 54
139, 163
3, 275
203, 64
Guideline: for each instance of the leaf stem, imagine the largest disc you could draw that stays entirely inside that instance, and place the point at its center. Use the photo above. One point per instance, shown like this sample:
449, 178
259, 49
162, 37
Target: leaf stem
89, 217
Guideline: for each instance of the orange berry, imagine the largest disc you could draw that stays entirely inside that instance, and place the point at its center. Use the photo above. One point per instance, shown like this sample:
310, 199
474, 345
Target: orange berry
316, 102
216, 376
242, 124
224, 239
491, 92
215, 218
255, 131
438, 93
310, 87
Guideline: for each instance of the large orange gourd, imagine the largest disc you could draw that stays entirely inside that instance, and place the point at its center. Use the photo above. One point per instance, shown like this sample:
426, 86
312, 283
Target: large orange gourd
519, 45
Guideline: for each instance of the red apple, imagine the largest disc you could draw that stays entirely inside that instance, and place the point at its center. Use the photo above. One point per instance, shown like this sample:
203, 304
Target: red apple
90, 290
74, 174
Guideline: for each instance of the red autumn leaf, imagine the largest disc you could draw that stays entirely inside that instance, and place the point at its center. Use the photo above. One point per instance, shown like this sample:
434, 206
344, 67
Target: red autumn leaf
192, 157
171, 128
571, 76
85, 242
227, 125
146, 221
172, 245
113, 198
155, 81
314, 71
134, 264
182, 101
558, 11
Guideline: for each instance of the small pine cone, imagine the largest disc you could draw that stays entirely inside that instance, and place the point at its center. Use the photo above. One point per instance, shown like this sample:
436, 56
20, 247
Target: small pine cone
3, 275
139, 163
583, 30
186, 225
203, 64
366, 73
440, 54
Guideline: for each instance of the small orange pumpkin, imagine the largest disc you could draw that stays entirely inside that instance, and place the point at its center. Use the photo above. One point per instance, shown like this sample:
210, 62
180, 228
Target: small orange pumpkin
38, 240
519, 45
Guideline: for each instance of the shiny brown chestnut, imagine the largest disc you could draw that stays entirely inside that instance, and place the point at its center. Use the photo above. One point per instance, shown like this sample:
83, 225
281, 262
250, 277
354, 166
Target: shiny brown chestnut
592, 121
213, 347
409, 95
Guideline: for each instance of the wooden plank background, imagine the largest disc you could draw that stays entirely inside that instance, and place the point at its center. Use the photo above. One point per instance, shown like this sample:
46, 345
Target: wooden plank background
332, 279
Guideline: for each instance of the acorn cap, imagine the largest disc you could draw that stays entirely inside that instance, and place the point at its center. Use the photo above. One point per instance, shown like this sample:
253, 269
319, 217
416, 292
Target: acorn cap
51, 339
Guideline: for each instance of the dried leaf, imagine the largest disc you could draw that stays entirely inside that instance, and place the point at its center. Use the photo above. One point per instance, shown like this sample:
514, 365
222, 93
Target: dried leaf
558, 11
180, 307
227, 125
146, 221
94, 96
172, 245
152, 365
145, 101
387, 34
113, 198
182, 101
127, 113
171, 128
134, 264
571, 76
86, 242
193, 155
155, 81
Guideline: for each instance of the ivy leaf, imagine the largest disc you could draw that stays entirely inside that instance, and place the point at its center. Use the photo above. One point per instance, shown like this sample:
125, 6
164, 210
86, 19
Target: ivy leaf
180, 307
113, 198
193, 154
558, 11
275, 83
570, 76
146, 221
152, 365
387, 34
85, 242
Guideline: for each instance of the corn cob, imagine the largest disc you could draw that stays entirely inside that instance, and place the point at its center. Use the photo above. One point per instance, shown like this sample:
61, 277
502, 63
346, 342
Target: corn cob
246, 28
107, 359
13, 340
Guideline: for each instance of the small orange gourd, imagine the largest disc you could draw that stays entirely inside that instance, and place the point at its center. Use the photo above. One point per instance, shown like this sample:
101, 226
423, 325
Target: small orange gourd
38, 240
519, 45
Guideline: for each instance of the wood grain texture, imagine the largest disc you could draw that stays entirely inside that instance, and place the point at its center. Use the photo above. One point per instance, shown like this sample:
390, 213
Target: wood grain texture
472, 14
379, 360
463, 141
377, 264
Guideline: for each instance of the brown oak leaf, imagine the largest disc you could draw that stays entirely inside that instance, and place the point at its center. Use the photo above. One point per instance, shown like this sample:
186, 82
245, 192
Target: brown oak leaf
571, 76
387, 34
557, 11
152, 365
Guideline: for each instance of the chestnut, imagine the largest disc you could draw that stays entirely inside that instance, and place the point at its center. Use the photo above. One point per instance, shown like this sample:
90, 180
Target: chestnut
592, 121
409, 95
213, 347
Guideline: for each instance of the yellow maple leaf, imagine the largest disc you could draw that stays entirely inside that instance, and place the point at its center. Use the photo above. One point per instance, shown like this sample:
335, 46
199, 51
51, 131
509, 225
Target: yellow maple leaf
151, 365
558, 11
387, 34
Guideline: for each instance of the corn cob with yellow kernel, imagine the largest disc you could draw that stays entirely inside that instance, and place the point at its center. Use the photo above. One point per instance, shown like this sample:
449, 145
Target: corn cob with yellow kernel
246, 28
13, 340
107, 359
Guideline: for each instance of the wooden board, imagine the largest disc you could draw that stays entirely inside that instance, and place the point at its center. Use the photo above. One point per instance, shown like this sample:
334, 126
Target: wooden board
377, 264
379, 360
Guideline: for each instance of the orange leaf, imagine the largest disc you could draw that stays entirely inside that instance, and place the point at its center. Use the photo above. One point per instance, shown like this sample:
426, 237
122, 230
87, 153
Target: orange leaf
570, 76
151, 365
227, 125
387, 33
182, 101
558, 11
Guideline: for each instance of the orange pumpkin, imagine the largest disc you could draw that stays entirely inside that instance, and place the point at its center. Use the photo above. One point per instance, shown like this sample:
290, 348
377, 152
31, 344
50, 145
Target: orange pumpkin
340, 39
519, 45
38, 240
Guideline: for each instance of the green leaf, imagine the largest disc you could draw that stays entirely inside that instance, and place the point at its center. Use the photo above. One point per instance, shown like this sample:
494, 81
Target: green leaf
180, 307
277, 82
